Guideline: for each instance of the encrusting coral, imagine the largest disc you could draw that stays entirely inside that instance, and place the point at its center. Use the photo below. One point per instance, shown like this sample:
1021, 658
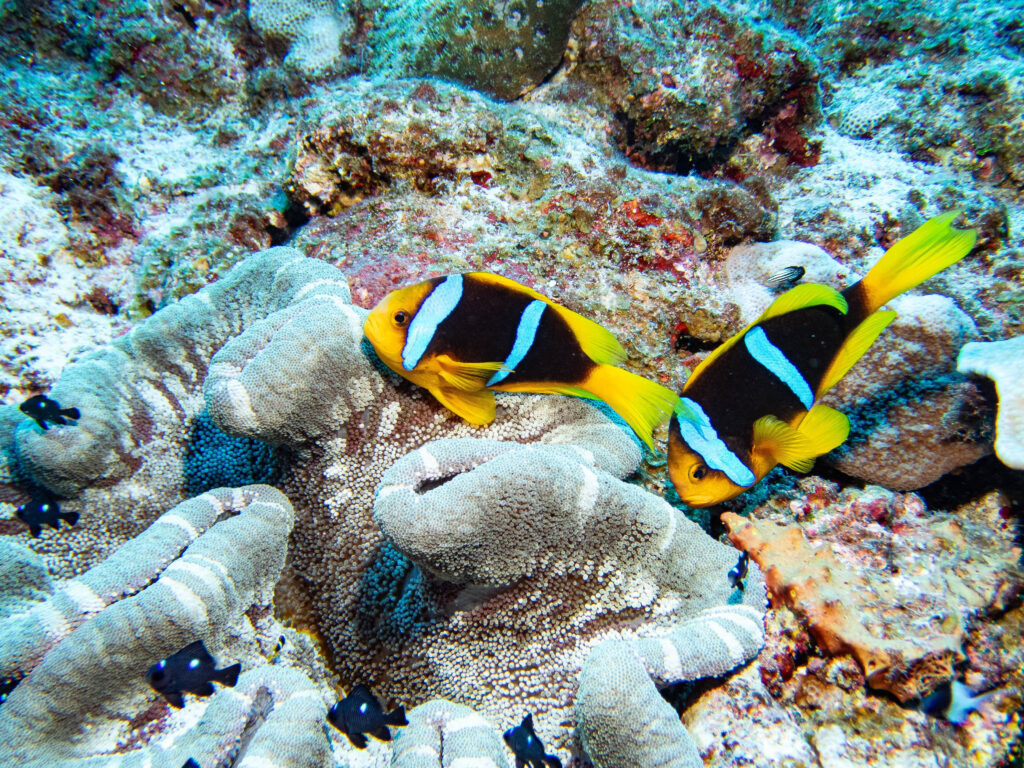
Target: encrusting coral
1003, 362
847, 570
274, 352
316, 32
83, 653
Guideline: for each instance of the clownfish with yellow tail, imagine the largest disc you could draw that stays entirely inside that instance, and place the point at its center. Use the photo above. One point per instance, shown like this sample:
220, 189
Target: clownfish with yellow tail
462, 336
753, 402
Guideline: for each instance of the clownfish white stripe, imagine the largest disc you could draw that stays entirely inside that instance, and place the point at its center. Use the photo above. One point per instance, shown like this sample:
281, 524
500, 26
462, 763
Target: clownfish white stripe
773, 358
702, 438
440, 303
526, 332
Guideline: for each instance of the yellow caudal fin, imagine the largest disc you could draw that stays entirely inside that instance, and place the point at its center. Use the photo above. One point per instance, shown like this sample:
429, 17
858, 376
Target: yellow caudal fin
641, 403
927, 250
854, 348
821, 430
596, 341
468, 377
476, 407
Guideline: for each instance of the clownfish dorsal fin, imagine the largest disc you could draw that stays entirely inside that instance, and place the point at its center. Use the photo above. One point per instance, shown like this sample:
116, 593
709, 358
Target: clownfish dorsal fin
468, 377
821, 430
476, 407
596, 341
853, 348
805, 295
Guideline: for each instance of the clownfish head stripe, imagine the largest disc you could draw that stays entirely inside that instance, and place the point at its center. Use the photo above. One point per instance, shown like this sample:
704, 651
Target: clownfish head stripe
526, 332
440, 303
773, 358
702, 438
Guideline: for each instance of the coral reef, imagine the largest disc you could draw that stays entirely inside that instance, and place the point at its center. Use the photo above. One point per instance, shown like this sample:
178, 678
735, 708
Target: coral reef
500, 48
843, 568
1003, 362
688, 79
193, 574
315, 31
147, 147
274, 352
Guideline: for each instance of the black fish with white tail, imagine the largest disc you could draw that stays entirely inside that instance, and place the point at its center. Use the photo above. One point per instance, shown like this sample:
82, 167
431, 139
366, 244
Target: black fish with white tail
190, 670
45, 411
738, 572
360, 713
954, 701
528, 748
43, 511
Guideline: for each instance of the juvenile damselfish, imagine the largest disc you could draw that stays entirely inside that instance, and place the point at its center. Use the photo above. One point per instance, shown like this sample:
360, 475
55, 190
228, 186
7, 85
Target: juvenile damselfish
528, 748
190, 670
753, 402
43, 511
44, 410
462, 336
360, 713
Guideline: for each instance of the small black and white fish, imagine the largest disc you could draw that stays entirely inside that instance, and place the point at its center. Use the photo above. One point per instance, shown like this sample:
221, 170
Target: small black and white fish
739, 572
190, 670
42, 409
42, 511
360, 713
785, 278
528, 749
954, 701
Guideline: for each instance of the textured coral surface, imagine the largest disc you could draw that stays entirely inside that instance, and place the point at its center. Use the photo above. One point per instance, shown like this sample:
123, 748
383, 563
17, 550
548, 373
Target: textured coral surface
650, 164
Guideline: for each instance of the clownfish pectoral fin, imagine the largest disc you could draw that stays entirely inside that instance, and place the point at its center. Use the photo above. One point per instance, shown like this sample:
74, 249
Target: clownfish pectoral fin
783, 444
468, 377
821, 430
596, 341
476, 407
854, 348
927, 250
805, 295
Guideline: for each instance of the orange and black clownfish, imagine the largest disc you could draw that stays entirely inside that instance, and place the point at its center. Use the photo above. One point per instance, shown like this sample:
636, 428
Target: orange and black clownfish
462, 336
752, 403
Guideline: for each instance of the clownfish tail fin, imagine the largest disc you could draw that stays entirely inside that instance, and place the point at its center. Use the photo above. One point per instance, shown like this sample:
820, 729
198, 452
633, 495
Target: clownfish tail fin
642, 403
926, 251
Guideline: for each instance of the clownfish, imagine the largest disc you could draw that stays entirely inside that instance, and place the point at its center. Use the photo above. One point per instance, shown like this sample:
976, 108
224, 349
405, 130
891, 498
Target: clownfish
752, 403
462, 336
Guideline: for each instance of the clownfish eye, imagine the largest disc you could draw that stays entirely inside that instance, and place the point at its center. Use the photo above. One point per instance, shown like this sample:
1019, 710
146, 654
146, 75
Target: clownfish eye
401, 318
699, 472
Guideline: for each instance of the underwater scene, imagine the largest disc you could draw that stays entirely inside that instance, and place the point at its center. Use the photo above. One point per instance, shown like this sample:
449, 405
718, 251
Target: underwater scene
511, 383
